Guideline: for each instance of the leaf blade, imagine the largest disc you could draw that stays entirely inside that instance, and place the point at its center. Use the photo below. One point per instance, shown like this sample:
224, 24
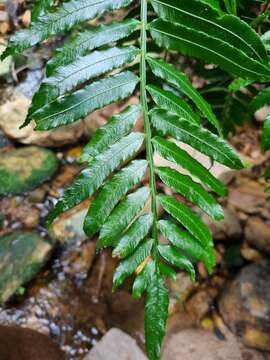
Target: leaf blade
172, 152
170, 102
168, 73
82, 102
173, 257
200, 45
194, 192
65, 17
68, 77
128, 266
156, 314
133, 236
111, 194
199, 138
91, 178
90, 39
117, 127
187, 218
188, 244
122, 216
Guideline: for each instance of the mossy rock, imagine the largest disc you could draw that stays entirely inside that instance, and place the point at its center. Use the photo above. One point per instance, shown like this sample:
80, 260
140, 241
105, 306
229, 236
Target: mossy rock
26, 168
22, 254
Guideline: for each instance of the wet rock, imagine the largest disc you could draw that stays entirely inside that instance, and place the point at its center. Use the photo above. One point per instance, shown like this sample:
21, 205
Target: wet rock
122, 314
245, 305
24, 169
227, 229
14, 209
64, 177
60, 302
116, 345
257, 233
22, 254
25, 344
68, 227
79, 260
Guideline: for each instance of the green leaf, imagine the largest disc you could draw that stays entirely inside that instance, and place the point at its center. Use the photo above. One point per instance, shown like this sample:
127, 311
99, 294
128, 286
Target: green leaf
91, 178
265, 141
197, 137
82, 102
260, 100
173, 257
168, 73
128, 266
143, 279
169, 101
239, 83
156, 314
133, 236
167, 271
188, 244
111, 194
172, 152
90, 39
191, 190
63, 18
41, 7
231, 6
214, 4
117, 127
187, 218
67, 77
230, 30
122, 216
195, 43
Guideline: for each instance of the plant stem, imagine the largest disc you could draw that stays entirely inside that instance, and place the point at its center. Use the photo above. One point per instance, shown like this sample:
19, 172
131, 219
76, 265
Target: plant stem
147, 127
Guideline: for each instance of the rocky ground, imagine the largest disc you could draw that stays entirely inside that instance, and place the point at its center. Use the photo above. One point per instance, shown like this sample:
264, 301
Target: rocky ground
53, 282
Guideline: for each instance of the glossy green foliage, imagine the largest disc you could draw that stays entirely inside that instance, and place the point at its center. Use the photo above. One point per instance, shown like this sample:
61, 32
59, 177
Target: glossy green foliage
104, 64
265, 141
260, 100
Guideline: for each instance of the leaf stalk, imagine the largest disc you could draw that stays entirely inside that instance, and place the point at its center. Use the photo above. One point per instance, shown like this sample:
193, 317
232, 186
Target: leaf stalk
147, 127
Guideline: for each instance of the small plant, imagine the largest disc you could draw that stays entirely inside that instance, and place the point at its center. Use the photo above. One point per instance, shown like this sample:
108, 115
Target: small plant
117, 158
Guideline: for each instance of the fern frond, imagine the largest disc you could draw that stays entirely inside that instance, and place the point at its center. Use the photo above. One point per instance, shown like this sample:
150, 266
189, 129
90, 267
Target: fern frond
89, 72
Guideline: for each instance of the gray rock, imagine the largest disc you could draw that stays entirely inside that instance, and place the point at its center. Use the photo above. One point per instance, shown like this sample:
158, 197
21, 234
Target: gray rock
245, 305
26, 168
196, 344
68, 227
22, 254
116, 345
